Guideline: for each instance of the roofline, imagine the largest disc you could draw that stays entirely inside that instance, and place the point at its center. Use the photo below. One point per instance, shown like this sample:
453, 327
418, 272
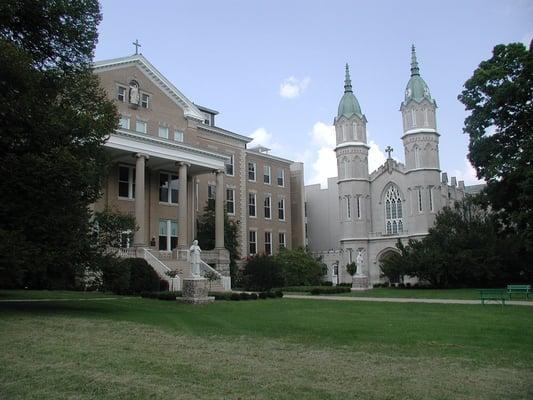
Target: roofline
249, 151
209, 110
190, 109
220, 131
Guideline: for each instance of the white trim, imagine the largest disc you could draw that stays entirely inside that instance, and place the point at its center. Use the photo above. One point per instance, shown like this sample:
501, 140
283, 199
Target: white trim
352, 179
421, 169
160, 148
348, 144
269, 156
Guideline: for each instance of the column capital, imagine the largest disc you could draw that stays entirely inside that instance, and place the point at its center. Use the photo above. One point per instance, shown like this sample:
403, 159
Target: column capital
182, 163
142, 155
218, 171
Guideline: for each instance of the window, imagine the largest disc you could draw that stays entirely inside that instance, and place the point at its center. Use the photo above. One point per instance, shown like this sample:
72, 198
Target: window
196, 194
168, 234
413, 117
282, 243
140, 126
359, 207
266, 174
126, 182
348, 207
211, 191
145, 100
281, 209
207, 119
393, 211
268, 206
281, 177
430, 196
121, 93
163, 132
126, 239
168, 188
251, 171
229, 166
420, 200
268, 243
251, 204
230, 201
417, 157
178, 136
252, 242
124, 122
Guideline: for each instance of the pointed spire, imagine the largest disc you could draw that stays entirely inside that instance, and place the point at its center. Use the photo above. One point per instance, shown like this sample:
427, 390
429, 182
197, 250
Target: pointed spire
414, 63
347, 80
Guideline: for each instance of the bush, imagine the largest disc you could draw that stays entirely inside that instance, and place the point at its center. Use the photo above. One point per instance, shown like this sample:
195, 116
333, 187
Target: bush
327, 283
165, 295
163, 285
279, 293
408, 285
116, 276
221, 295
262, 272
263, 295
345, 284
243, 295
129, 276
300, 267
235, 296
271, 295
253, 296
330, 290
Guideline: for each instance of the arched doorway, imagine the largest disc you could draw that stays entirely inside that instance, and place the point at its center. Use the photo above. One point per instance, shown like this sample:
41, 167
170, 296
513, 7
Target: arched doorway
390, 275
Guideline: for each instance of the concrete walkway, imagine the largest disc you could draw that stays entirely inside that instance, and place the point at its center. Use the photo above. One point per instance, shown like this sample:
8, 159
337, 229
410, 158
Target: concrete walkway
402, 300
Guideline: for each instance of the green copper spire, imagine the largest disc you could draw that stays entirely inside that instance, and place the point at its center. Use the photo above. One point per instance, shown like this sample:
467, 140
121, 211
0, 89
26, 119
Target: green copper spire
414, 64
417, 89
347, 80
348, 105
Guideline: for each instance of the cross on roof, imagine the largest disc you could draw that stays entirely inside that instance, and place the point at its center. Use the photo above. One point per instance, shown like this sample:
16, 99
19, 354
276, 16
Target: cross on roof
137, 45
389, 150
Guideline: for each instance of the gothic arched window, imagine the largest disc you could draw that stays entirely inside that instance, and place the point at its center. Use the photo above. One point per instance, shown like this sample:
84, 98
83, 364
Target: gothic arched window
417, 156
393, 211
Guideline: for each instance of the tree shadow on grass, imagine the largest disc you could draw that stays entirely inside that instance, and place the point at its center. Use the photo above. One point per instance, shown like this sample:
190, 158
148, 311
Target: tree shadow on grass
55, 308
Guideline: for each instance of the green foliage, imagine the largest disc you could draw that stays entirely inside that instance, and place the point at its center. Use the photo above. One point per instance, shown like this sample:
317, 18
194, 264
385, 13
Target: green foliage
54, 121
463, 248
163, 295
262, 272
206, 235
299, 267
498, 96
108, 227
130, 276
330, 290
351, 268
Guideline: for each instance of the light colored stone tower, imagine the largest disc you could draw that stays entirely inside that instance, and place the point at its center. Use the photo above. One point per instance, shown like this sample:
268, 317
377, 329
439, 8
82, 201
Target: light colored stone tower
353, 178
421, 145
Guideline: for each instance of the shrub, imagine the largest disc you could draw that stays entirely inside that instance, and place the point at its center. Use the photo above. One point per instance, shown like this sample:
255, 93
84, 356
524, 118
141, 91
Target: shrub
116, 276
262, 295
221, 295
142, 276
279, 293
166, 296
243, 295
329, 290
327, 283
262, 272
253, 296
345, 284
408, 285
271, 295
235, 296
300, 267
163, 285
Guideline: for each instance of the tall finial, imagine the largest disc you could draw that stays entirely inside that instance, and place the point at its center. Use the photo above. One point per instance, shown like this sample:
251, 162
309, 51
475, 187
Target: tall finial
414, 63
347, 80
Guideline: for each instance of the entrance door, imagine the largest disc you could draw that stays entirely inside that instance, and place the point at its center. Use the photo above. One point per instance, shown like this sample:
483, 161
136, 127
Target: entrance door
168, 234
335, 274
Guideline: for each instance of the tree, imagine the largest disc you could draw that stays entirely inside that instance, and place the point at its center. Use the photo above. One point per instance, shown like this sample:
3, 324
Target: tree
351, 268
53, 123
300, 268
500, 125
206, 234
263, 272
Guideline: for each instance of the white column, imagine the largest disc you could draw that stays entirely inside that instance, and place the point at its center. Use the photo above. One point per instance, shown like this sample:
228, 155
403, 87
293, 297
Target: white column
183, 241
140, 237
219, 211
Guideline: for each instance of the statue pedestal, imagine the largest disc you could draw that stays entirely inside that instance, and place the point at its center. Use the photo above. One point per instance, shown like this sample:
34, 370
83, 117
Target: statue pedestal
360, 282
195, 291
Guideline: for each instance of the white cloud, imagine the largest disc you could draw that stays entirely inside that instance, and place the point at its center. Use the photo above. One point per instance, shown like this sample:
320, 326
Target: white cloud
261, 137
526, 39
292, 87
467, 174
376, 157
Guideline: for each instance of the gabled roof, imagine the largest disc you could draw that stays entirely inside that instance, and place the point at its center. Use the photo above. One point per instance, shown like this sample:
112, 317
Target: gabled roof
190, 110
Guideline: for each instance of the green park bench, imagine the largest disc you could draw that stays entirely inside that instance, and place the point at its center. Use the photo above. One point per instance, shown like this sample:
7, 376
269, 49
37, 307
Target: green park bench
522, 289
493, 294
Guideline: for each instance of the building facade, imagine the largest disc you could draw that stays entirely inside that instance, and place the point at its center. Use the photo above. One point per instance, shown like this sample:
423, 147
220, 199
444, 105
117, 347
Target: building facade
365, 213
169, 158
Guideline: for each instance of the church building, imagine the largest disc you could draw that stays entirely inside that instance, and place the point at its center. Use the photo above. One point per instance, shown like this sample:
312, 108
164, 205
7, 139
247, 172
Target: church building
362, 213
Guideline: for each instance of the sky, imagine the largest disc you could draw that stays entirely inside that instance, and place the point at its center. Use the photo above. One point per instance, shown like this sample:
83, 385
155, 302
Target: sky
275, 69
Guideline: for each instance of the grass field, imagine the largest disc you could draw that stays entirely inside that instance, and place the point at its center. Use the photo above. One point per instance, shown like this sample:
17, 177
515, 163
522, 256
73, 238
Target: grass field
134, 348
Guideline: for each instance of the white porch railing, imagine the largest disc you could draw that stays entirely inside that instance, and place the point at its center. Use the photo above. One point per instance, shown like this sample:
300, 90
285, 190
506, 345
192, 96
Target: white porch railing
174, 283
124, 252
224, 280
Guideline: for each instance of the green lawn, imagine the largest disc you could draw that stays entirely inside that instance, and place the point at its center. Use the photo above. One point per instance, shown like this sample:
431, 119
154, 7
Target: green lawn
134, 348
459, 294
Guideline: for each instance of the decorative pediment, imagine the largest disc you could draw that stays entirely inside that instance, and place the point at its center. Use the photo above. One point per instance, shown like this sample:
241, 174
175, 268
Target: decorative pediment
138, 60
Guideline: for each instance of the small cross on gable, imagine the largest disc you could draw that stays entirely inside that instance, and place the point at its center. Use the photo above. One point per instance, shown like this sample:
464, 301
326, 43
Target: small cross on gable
137, 45
389, 150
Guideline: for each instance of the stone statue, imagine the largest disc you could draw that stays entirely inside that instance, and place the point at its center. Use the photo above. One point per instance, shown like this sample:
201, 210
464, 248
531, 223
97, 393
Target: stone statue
134, 93
359, 261
195, 251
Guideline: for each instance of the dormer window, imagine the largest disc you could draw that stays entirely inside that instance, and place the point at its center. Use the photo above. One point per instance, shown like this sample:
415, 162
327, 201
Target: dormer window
208, 119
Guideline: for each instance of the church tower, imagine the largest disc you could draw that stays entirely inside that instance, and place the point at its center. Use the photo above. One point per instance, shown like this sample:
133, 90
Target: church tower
421, 146
352, 168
